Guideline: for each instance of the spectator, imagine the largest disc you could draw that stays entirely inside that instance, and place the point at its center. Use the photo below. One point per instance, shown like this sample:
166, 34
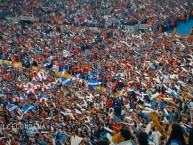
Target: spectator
48, 71
103, 142
123, 138
176, 136
190, 141
191, 31
142, 138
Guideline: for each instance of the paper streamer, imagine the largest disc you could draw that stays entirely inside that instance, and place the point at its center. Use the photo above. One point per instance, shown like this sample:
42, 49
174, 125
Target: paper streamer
167, 99
147, 105
154, 96
149, 109
184, 69
165, 119
128, 118
166, 112
146, 112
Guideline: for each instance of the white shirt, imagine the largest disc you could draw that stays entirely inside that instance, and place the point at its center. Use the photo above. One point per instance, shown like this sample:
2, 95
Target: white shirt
128, 142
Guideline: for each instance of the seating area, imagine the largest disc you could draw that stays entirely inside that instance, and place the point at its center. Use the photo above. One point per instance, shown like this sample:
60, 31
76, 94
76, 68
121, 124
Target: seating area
75, 76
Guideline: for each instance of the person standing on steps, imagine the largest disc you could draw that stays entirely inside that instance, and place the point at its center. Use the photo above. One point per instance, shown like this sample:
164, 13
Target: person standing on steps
191, 31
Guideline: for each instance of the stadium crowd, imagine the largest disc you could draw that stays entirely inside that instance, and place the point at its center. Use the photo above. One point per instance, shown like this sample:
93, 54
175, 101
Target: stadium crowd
102, 13
77, 84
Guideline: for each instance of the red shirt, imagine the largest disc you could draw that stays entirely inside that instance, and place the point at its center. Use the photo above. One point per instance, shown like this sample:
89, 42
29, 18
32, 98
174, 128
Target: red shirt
85, 69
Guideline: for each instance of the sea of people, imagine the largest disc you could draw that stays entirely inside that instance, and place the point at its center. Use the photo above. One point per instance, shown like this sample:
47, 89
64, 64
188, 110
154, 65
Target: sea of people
102, 13
76, 77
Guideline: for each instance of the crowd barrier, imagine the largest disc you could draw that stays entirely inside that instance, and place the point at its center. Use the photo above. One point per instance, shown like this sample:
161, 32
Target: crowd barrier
21, 18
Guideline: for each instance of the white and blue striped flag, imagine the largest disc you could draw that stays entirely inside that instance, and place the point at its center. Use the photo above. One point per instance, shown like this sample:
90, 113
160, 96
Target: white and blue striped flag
67, 82
64, 81
28, 108
94, 82
12, 107
32, 130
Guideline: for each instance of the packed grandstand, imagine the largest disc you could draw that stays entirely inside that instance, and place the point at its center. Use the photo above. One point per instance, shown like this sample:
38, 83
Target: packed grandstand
75, 76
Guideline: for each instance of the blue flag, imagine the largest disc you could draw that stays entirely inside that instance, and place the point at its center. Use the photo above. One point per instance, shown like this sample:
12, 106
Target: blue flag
94, 82
31, 131
28, 108
12, 107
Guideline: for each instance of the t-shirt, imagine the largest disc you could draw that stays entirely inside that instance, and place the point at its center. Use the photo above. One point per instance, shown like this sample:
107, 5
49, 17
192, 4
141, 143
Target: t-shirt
175, 142
126, 143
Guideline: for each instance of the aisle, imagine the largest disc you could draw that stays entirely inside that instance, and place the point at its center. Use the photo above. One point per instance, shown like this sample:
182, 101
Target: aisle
183, 28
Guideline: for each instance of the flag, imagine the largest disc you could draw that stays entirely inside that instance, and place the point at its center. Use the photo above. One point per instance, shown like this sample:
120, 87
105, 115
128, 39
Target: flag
35, 68
32, 130
60, 80
57, 74
48, 86
102, 89
43, 98
67, 82
51, 84
65, 75
17, 64
62, 74
39, 77
28, 108
62, 70
94, 82
42, 95
92, 88
46, 64
11, 107
16, 99
45, 88
37, 87
5, 62
28, 86
55, 68
78, 76
23, 97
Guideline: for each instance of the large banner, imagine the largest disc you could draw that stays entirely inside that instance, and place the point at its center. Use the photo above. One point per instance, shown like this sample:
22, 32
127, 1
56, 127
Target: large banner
144, 26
